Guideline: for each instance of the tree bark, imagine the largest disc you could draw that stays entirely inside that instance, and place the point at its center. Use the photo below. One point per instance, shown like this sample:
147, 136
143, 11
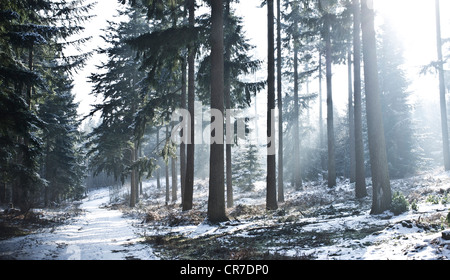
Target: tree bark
321, 138
382, 198
183, 145
132, 179
296, 154
158, 172
351, 120
330, 118
360, 170
136, 172
280, 107
271, 196
167, 173
189, 185
174, 179
444, 123
216, 199
227, 93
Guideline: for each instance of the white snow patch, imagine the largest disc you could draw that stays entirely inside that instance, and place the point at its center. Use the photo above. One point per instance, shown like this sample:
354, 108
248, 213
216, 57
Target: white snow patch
99, 234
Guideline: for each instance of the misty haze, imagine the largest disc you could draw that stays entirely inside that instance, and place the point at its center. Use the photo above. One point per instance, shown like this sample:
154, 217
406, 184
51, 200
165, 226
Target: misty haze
224, 130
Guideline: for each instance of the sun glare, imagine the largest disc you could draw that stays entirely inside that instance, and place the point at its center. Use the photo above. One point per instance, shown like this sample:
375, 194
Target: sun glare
415, 24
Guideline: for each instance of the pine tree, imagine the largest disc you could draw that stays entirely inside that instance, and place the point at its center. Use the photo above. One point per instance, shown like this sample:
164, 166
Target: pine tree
115, 142
271, 196
330, 119
216, 199
247, 168
398, 126
296, 33
444, 122
360, 176
280, 107
190, 156
378, 159
63, 167
237, 94
33, 37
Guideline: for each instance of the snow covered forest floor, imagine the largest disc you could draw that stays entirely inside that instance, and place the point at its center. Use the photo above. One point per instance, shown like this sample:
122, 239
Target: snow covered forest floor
313, 223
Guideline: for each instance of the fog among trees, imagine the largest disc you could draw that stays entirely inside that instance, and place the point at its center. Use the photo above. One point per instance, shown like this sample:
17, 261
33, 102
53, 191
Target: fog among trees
194, 108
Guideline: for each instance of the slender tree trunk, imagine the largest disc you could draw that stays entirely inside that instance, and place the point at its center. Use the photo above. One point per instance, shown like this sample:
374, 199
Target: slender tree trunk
2, 192
321, 140
216, 200
377, 147
189, 185
158, 172
174, 178
134, 193
136, 172
183, 145
296, 154
360, 171
167, 173
351, 120
330, 118
271, 197
20, 187
280, 107
140, 179
444, 124
132, 180
227, 93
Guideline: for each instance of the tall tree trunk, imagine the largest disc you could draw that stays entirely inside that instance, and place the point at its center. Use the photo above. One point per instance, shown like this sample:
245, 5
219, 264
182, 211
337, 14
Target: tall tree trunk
21, 183
136, 172
321, 138
133, 179
330, 118
183, 145
174, 178
360, 170
271, 196
167, 173
158, 172
280, 107
296, 154
3, 192
140, 179
134, 193
444, 124
189, 185
377, 147
227, 93
351, 120
216, 200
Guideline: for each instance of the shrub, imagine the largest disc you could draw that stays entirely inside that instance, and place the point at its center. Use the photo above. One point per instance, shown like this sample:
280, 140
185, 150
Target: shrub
445, 199
434, 199
414, 205
399, 203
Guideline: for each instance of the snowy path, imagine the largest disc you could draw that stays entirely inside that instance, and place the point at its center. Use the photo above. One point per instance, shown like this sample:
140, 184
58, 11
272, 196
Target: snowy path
97, 234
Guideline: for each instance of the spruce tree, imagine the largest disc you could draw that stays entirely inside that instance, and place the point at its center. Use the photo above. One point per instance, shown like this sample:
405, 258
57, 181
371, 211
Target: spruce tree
271, 196
247, 167
34, 37
398, 125
114, 144
382, 195
216, 198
